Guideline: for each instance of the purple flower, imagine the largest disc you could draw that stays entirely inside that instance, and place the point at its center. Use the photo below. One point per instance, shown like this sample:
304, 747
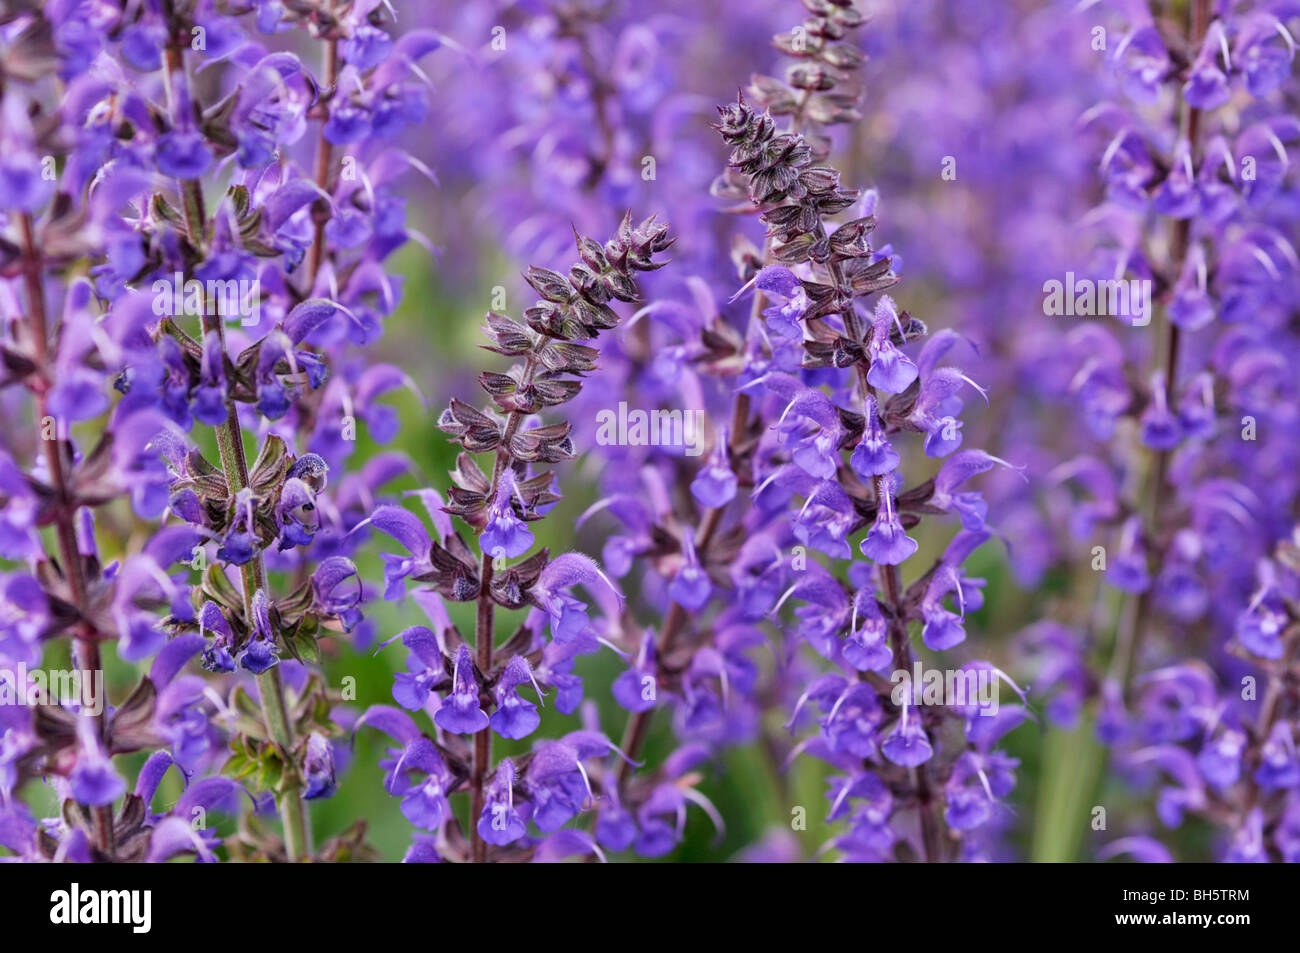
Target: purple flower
183, 154
715, 484
514, 716
956, 470
866, 647
505, 534
908, 744
94, 781
635, 688
783, 318
411, 688
874, 455
568, 615
178, 717
367, 47
319, 768
210, 395
260, 652
891, 370
1143, 62
811, 425
887, 543
407, 529
501, 823
1279, 766
1219, 761
1259, 627
1161, 429
690, 588
459, 712
557, 784
415, 772
22, 184
297, 514
1207, 85
338, 590
615, 826
1127, 569
240, 544
424, 802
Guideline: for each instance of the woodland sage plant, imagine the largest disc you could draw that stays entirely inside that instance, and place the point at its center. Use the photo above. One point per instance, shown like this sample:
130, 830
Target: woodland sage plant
160, 153
847, 391
549, 786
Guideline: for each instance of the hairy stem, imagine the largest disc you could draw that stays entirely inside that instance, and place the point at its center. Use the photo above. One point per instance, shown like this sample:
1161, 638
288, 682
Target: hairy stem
903, 659
275, 711
324, 160
85, 636
484, 630
1271, 708
1135, 617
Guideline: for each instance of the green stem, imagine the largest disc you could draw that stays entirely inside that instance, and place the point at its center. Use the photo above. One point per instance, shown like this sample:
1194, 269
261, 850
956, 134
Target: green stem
293, 811
1135, 620
1072, 764
234, 463
275, 711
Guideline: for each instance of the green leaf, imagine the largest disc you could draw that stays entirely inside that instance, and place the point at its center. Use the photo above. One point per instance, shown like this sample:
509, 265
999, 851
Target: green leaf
218, 587
269, 469
271, 772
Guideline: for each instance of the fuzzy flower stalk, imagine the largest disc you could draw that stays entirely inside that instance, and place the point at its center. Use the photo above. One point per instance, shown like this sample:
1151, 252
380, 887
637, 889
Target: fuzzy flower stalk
913, 781
706, 550
1187, 487
169, 301
474, 692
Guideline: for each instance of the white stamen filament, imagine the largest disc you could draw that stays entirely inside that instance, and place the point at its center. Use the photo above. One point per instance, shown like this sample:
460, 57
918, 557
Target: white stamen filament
784, 596
708, 807
1267, 262
1286, 36
1278, 147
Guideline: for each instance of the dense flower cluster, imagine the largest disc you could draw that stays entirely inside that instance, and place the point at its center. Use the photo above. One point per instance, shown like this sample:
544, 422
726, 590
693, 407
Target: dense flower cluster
233, 211
1193, 479
848, 390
